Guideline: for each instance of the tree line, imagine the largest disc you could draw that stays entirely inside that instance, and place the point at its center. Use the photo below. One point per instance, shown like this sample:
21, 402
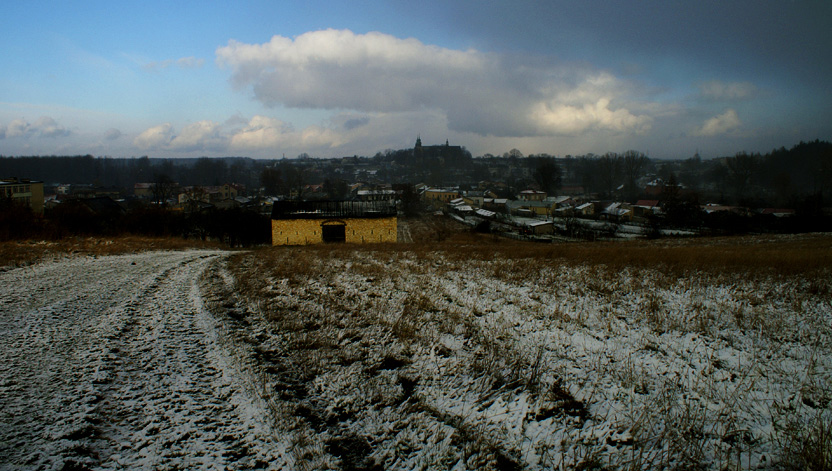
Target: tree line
780, 178
234, 227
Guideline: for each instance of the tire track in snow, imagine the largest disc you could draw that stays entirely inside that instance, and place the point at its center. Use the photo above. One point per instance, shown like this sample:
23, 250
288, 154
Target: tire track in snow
119, 368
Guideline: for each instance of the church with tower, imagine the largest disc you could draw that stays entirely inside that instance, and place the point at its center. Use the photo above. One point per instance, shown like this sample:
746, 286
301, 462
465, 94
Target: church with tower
446, 154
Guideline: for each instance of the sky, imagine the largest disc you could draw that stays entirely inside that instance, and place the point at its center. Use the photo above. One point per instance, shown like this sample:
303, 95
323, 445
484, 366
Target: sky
268, 79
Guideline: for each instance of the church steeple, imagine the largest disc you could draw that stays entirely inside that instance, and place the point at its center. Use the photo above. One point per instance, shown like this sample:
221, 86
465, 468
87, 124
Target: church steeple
417, 151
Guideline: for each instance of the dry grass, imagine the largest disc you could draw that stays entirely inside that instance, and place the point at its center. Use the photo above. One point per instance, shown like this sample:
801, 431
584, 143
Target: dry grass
807, 254
781, 255
21, 253
380, 315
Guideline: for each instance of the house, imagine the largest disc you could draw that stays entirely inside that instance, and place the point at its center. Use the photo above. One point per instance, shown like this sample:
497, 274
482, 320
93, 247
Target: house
530, 208
777, 212
476, 197
315, 222
462, 209
532, 195
658, 186
102, 206
718, 208
485, 214
541, 228
618, 212
443, 195
499, 205
586, 209
645, 208
227, 193
376, 195
24, 191
560, 201
143, 190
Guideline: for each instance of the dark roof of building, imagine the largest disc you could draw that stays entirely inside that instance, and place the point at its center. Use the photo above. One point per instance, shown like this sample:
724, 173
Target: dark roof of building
102, 205
332, 209
18, 181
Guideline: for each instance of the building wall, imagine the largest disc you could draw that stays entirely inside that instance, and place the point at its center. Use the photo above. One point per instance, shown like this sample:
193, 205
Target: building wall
36, 197
26, 192
543, 229
441, 195
358, 230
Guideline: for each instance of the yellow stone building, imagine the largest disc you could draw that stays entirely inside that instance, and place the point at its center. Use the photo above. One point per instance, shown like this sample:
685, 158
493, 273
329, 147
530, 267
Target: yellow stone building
26, 192
316, 222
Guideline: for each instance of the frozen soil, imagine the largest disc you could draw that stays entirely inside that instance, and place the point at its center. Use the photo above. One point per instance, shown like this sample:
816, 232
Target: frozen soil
397, 359
117, 362
406, 358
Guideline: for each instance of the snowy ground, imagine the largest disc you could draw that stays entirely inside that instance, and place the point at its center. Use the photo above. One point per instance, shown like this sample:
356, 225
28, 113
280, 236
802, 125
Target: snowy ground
116, 363
402, 358
418, 361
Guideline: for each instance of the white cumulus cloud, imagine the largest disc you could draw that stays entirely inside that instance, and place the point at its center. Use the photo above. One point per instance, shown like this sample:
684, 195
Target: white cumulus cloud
205, 135
263, 132
721, 124
42, 127
488, 94
157, 137
260, 133
569, 119
202, 135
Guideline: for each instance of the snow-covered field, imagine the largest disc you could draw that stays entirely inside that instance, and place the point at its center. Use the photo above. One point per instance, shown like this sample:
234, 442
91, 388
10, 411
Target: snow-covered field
426, 360
116, 363
409, 358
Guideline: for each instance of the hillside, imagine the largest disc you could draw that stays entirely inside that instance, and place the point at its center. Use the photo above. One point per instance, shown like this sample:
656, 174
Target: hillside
463, 352
707, 354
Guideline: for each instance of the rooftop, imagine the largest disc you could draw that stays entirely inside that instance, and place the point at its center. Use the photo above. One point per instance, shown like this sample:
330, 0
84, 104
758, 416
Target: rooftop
332, 209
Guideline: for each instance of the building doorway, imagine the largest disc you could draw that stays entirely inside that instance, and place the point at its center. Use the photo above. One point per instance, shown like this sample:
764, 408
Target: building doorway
334, 232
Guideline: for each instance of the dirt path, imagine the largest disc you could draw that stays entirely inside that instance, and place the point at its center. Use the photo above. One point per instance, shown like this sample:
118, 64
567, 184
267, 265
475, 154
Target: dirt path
115, 362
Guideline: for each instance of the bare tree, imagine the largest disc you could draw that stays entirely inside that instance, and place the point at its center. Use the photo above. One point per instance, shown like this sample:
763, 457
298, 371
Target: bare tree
741, 170
194, 196
609, 170
163, 188
547, 175
633, 164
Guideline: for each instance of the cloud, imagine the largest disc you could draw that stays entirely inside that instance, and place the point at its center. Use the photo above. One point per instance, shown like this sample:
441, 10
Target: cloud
190, 62
487, 94
721, 124
48, 127
199, 136
263, 132
569, 120
183, 63
257, 134
157, 137
202, 135
42, 127
112, 134
716, 90
356, 122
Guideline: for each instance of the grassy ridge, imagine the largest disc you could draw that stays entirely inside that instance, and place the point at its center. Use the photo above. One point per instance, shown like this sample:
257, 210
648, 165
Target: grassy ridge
20, 253
698, 353
809, 254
